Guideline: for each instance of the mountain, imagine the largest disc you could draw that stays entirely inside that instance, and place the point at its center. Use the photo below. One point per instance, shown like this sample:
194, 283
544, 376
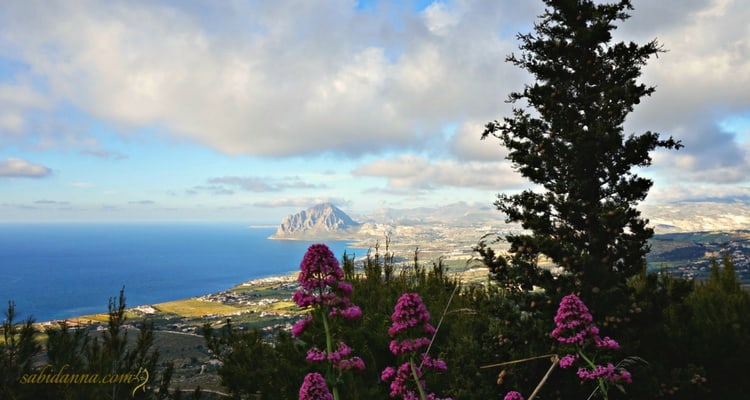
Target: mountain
323, 221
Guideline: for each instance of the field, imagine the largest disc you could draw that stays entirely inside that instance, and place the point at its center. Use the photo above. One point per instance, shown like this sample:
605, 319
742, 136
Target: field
196, 308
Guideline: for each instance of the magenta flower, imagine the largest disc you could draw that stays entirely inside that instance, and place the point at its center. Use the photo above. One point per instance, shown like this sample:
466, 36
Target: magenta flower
513, 395
606, 343
314, 388
411, 318
319, 268
575, 326
340, 358
608, 373
410, 312
301, 325
573, 321
323, 290
568, 360
321, 285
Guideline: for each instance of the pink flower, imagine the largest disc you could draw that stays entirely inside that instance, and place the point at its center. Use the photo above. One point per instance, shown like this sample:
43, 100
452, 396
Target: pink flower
322, 288
300, 326
314, 388
321, 284
609, 373
410, 312
388, 374
606, 343
315, 355
573, 321
410, 316
319, 268
568, 360
513, 395
575, 325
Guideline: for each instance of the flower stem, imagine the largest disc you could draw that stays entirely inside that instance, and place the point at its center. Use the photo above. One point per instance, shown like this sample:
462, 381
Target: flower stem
422, 395
600, 381
329, 350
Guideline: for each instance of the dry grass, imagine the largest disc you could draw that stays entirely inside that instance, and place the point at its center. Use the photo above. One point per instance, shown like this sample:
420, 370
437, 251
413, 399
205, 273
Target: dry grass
196, 308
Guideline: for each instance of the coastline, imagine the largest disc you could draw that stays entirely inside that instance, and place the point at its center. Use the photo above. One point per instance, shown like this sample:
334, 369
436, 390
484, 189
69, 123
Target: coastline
248, 297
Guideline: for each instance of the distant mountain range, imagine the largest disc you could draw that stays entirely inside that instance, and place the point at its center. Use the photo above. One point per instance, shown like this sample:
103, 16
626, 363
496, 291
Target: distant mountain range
328, 222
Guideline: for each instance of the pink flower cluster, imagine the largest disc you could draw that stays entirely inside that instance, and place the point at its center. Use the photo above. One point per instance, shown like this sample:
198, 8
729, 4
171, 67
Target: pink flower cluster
314, 388
575, 325
513, 395
410, 316
410, 312
321, 285
323, 289
609, 373
339, 358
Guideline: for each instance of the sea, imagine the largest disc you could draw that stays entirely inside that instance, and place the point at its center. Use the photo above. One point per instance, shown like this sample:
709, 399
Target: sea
61, 270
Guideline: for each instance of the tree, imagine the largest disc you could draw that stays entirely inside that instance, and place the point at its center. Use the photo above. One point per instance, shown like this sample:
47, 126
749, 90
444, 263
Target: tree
18, 347
256, 366
569, 140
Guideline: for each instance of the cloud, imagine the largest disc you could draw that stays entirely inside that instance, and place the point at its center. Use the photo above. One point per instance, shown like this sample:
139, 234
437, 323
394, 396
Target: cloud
680, 192
215, 190
287, 79
17, 101
700, 81
107, 154
18, 168
414, 172
259, 184
266, 78
142, 202
466, 144
52, 202
300, 202
82, 185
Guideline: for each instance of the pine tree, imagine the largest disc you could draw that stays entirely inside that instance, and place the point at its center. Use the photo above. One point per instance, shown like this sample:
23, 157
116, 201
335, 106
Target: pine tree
18, 347
567, 138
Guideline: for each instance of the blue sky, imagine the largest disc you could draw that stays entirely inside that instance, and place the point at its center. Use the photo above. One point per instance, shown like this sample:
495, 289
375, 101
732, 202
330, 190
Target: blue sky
247, 111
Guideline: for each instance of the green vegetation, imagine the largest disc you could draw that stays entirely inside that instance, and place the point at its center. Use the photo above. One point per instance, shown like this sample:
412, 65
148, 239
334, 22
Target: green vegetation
567, 138
76, 364
691, 349
680, 338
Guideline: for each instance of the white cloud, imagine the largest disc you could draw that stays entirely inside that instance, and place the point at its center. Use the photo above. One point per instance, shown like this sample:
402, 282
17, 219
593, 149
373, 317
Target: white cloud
679, 192
276, 80
700, 81
466, 144
413, 172
18, 168
262, 184
281, 78
300, 202
82, 185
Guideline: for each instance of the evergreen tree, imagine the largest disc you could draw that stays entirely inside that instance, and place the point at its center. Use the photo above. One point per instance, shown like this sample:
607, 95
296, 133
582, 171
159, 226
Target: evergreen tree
568, 140
18, 348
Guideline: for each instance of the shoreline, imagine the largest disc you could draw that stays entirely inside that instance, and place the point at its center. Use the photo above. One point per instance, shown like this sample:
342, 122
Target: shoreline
164, 308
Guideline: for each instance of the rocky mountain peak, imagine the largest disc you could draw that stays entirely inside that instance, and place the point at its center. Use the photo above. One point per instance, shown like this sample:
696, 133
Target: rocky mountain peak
323, 220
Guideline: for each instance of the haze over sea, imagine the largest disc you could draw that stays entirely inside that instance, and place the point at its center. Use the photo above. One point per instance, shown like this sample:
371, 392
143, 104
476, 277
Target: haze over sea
54, 271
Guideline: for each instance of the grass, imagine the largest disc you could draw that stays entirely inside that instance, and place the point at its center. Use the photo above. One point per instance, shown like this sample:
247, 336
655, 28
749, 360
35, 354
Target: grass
194, 308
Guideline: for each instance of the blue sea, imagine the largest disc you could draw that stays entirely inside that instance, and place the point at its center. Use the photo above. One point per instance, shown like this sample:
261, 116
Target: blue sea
54, 271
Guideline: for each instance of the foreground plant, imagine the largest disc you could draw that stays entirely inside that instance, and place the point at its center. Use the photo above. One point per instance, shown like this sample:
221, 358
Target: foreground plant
574, 326
323, 291
513, 395
410, 322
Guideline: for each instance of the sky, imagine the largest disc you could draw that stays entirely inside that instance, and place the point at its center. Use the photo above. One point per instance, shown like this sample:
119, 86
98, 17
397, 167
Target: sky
182, 110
